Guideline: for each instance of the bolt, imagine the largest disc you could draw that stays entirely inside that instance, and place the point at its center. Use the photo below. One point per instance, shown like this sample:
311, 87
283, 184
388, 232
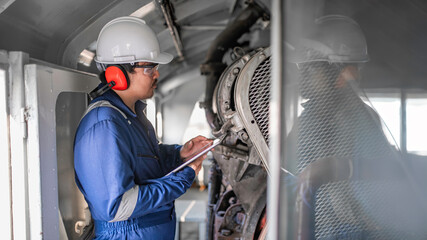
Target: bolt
236, 71
226, 232
244, 136
221, 213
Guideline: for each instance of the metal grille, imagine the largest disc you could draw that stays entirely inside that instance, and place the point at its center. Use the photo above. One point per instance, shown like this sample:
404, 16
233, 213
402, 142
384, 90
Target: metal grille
363, 210
259, 97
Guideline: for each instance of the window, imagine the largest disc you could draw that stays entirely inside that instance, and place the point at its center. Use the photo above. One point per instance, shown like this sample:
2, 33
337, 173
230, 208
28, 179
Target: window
416, 123
388, 105
197, 125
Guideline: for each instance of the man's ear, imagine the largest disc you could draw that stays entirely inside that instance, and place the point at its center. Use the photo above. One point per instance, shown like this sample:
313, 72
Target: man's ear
348, 73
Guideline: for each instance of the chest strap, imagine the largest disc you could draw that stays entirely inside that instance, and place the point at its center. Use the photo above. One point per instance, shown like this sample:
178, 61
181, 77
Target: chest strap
104, 103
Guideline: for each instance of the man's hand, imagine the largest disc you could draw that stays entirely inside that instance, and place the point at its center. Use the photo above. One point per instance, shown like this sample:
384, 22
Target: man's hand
191, 147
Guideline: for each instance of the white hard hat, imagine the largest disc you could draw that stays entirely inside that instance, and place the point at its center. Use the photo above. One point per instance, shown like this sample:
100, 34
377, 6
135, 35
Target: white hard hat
336, 39
129, 40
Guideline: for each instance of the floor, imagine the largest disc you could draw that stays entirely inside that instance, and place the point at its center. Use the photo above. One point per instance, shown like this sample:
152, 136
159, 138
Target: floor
192, 208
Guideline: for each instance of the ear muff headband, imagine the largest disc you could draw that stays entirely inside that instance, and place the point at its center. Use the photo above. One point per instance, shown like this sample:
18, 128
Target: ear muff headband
118, 75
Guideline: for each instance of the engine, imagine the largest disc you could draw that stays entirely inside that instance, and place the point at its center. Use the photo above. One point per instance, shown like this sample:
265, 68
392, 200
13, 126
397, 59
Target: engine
238, 181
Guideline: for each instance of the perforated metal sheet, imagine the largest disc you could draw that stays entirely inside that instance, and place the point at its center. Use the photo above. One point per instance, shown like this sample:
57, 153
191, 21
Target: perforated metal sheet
364, 210
259, 97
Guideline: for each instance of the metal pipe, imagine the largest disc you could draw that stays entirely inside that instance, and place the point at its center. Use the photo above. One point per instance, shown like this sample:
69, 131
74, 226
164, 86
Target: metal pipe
166, 8
277, 121
213, 193
228, 38
203, 27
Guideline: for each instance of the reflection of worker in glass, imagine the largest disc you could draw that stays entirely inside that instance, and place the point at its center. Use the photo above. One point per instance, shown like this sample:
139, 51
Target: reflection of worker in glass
349, 177
335, 121
120, 167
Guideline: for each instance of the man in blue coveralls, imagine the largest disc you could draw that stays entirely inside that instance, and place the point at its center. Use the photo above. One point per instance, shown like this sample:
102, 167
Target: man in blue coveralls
120, 166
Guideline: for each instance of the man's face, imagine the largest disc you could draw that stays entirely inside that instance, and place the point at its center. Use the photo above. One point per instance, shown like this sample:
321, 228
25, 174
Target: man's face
143, 80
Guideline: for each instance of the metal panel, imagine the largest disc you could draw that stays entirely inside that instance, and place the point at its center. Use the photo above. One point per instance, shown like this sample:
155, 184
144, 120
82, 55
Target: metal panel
79, 40
5, 183
21, 222
43, 85
70, 106
4, 4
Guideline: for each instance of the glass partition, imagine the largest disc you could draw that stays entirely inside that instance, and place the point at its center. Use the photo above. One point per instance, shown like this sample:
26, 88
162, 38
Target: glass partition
340, 176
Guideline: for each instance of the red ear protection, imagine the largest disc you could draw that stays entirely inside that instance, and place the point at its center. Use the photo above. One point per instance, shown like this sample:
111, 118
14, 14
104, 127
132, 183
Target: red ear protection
118, 75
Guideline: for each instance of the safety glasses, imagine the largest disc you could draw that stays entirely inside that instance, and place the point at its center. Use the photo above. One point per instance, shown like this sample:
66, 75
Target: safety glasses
149, 70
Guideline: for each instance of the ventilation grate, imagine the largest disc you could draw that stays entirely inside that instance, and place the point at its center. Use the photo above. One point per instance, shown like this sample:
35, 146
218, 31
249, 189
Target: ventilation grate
259, 97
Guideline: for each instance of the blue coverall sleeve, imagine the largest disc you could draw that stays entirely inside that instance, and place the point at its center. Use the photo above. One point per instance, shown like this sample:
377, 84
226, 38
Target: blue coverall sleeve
103, 165
158, 192
170, 156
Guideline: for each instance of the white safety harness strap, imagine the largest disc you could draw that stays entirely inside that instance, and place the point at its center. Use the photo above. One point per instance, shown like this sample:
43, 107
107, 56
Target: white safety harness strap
104, 103
130, 197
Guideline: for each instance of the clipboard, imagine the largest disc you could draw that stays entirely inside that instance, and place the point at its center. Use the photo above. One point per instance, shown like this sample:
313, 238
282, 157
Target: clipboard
199, 153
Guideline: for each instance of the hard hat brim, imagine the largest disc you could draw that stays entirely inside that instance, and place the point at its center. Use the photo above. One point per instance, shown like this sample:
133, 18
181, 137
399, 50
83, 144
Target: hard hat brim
323, 53
161, 58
